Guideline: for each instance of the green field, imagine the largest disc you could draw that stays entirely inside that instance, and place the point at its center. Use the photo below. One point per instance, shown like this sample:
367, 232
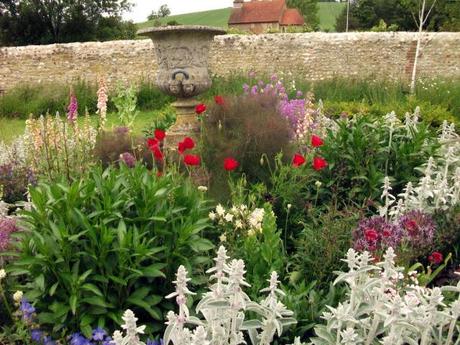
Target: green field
327, 12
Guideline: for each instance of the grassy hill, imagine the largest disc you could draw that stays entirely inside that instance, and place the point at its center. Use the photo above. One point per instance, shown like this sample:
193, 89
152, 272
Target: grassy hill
328, 12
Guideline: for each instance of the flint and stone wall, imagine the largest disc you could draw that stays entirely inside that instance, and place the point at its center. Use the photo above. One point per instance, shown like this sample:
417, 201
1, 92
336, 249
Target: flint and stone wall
311, 55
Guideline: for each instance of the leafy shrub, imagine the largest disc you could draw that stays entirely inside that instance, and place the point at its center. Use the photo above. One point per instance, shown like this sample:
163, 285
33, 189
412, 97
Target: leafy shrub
111, 145
247, 128
149, 97
362, 152
110, 241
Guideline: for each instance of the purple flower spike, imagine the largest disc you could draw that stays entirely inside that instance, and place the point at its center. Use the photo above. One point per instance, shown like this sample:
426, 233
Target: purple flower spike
72, 113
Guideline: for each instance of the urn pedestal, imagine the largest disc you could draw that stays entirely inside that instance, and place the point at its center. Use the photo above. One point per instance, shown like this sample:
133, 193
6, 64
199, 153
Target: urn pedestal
182, 54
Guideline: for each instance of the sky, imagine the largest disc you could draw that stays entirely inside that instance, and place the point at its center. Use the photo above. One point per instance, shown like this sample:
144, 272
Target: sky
142, 8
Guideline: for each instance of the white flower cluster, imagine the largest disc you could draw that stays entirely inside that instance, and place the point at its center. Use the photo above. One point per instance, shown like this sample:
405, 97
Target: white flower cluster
14, 152
131, 329
224, 307
240, 218
384, 306
439, 187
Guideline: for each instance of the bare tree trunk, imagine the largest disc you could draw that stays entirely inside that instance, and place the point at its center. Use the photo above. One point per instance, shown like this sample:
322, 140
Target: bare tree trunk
348, 14
417, 50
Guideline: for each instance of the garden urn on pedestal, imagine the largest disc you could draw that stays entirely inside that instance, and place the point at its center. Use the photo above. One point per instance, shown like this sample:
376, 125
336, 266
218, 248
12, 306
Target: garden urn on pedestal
182, 55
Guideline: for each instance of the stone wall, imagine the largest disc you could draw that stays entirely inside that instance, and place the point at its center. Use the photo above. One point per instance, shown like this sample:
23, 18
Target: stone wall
311, 55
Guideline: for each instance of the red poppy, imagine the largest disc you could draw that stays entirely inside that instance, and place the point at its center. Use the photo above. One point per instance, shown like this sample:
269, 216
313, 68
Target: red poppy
316, 141
157, 153
188, 143
219, 100
192, 160
159, 173
152, 142
160, 134
371, 235
230, 164
200, 108
319, 163
436, 258
298, 160
181, 147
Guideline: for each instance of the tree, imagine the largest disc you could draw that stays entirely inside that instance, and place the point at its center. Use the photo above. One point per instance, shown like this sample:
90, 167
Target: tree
423, 10
309, 10
162, 12
367, 14
55, 21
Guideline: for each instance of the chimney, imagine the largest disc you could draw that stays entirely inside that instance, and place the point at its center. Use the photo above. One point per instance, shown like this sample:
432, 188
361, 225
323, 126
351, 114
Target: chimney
238, 3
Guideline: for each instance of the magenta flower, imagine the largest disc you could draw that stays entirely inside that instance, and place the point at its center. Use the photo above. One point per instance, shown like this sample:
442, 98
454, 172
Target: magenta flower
128, 159
375, 233
72, 112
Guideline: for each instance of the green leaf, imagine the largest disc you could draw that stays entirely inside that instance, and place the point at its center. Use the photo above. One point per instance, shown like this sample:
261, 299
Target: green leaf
201, 245
153, 271
53, 288
93, 288
73, 304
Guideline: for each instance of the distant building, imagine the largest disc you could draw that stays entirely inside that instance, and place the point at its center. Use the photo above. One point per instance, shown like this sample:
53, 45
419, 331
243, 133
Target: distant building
258, 16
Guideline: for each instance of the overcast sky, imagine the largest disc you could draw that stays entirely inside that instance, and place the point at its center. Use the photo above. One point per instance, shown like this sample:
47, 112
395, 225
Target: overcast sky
142, 8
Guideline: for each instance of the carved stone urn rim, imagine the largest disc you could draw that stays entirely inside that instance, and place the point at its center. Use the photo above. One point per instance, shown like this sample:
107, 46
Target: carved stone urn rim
181, 28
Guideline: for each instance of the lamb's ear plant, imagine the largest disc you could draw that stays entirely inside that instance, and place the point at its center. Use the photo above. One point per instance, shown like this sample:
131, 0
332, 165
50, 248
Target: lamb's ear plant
386, 306
224, 309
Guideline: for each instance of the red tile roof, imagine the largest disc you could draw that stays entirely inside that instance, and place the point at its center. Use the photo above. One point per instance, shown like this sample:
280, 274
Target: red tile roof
292, 16
258, 12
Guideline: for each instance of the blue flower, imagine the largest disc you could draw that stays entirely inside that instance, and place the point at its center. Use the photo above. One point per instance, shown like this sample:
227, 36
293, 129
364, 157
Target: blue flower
107, 341
78, 339
99, 334
27, 309
36, 335
48, 341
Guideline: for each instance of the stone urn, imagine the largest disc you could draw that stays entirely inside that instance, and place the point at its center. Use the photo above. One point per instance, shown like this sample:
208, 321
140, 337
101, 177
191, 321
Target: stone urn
182, 54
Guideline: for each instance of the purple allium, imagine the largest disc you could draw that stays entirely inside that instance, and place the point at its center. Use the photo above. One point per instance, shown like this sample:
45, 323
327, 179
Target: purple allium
254, 90
252, 74
299, 94
36, 335
419, 228
99, 334
128, 159
373, 234
274, 78
246, 88
261, 83
72, 112
26, 309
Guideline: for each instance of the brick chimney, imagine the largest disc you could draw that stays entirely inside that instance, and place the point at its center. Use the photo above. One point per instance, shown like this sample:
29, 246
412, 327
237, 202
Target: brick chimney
238, 3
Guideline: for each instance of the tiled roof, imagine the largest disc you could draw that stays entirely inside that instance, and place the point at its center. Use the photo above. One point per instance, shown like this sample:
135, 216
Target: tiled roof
258, 12
292, 16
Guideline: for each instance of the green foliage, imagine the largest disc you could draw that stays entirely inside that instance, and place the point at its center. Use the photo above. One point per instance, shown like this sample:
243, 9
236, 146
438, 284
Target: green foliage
44, 22
360, 154
309, 10
149, 97
366, 14
125, 101
262, 253
109, 242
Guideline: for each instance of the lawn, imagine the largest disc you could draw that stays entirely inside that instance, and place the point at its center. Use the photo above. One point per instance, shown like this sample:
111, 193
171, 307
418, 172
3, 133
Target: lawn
11, 128
327, 12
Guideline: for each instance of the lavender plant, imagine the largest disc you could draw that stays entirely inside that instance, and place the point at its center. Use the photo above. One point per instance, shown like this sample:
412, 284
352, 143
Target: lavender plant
387, 306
